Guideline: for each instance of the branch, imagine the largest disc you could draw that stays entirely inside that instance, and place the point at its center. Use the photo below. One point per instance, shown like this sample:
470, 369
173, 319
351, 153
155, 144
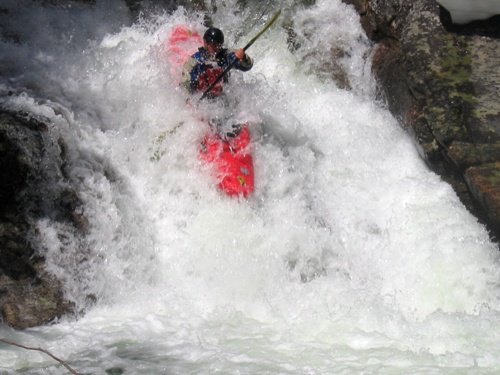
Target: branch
43, 351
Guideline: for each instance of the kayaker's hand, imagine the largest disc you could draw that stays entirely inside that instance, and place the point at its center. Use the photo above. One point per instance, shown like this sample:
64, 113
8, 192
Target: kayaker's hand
240, 54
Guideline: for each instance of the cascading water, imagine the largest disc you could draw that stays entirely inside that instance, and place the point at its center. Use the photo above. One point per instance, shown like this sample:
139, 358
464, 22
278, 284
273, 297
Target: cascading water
351, 257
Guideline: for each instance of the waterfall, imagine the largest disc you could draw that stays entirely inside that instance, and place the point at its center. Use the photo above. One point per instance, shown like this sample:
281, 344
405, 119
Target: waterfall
351, 256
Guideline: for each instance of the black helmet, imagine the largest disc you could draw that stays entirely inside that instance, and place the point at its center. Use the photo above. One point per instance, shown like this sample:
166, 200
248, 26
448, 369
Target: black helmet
213, 36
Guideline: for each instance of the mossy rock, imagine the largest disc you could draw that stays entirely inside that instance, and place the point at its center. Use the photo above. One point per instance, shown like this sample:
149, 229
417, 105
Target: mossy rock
484, 183
466, 155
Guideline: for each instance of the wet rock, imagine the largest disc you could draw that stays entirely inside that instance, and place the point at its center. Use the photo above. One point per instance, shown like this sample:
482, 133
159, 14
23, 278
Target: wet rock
442, 82
465, 155
66, 2
484, 183
328, 57
33, 301
114, 371
31, 188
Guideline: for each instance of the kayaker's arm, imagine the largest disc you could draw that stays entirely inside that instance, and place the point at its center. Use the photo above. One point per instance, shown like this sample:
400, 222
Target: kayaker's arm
240, 60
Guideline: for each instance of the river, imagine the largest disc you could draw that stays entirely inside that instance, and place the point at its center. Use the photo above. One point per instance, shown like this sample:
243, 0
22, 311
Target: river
351, 257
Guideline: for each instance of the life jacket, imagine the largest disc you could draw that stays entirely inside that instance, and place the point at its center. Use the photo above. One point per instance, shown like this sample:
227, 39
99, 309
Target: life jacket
206, 71
208, 77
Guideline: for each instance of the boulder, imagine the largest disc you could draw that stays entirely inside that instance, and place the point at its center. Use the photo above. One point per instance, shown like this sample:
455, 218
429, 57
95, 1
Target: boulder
484, 184
31, 174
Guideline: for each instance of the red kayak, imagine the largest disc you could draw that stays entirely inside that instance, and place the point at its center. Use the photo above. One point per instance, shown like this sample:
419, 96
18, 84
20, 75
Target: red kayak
229, 155
232, 161
180, 44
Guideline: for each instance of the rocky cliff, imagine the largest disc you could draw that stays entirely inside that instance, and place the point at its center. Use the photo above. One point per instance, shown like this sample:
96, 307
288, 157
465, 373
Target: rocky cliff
32, 187
442, 82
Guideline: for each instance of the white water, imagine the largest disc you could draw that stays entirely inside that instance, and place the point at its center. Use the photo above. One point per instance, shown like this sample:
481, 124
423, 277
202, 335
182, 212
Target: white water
464, 11
350, 258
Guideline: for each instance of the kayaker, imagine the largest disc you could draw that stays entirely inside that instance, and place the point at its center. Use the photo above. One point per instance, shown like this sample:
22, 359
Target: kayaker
205, 66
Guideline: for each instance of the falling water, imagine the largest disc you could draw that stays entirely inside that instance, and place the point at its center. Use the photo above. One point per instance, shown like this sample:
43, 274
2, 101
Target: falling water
351, 257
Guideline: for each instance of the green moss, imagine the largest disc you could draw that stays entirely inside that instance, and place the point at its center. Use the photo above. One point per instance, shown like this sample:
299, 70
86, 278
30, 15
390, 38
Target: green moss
454, 68
47, 303
468, 97
482, 112
451, 110
447, 124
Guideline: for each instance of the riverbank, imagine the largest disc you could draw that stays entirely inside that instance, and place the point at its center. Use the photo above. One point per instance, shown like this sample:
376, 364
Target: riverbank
441, 81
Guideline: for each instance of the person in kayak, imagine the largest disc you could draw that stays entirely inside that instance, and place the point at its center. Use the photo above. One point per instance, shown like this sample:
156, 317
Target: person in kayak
204, 67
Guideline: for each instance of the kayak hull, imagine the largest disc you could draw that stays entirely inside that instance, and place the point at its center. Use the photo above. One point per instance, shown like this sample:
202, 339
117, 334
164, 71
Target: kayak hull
232, 162
180, 44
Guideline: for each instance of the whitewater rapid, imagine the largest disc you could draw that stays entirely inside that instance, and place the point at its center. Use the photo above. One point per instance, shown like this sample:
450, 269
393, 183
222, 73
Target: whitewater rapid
351, 257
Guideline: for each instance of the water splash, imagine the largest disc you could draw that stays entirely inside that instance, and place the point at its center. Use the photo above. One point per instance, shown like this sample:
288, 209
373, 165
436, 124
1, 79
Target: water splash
351, 256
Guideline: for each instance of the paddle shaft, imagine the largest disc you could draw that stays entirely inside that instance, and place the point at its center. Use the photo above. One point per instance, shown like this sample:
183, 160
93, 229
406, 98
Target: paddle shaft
249, 44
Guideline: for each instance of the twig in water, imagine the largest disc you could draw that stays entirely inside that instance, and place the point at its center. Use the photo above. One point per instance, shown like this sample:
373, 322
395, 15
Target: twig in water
43, 351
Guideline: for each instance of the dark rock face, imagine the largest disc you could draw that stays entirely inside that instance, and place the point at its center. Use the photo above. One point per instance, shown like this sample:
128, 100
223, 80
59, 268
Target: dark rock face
29, 296
442, 82
484, 181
